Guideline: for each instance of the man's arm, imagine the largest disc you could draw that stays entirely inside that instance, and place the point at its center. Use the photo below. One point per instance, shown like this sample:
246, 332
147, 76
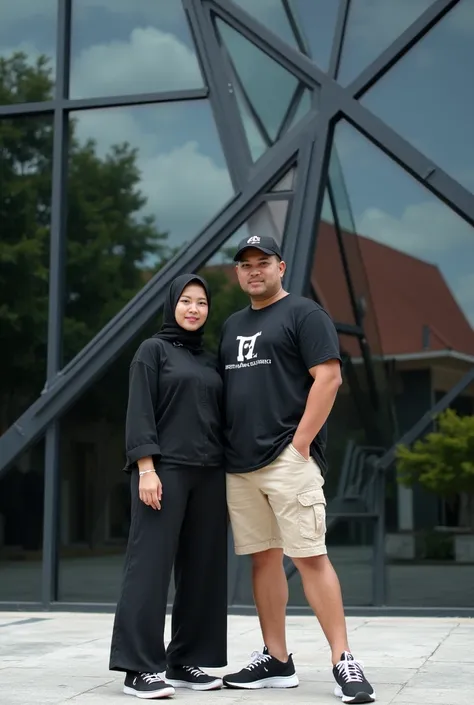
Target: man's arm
322, 395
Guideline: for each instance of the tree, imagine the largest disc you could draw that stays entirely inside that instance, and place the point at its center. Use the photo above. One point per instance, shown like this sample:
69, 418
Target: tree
443, 462
110, 248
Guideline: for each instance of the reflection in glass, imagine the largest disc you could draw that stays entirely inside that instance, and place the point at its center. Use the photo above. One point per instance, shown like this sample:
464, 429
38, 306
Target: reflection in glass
94, 491
371, 28
21, 527
27, 50
136, 47
419, 261
143, 181
307, 25
366, 314
349, 541
407, 98
267, 221
328, 277
318, 17
287, 182
268, 96
273, 15
25, 212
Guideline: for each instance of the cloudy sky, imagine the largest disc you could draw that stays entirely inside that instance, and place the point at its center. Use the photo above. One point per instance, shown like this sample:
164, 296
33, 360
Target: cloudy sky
120, 46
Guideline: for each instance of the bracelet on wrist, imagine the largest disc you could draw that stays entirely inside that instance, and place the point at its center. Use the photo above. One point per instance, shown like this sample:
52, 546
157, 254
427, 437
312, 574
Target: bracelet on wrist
144, 472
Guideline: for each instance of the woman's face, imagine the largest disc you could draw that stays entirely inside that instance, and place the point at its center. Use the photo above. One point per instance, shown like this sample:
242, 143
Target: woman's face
192, 308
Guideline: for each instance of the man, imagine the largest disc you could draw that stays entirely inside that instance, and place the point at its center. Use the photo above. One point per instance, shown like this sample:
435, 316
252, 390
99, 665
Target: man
282, 370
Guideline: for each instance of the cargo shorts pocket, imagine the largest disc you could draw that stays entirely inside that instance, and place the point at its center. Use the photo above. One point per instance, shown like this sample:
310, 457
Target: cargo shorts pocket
312, 513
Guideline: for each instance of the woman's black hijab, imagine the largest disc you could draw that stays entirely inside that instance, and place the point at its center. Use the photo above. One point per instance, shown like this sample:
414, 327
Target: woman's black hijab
170, 330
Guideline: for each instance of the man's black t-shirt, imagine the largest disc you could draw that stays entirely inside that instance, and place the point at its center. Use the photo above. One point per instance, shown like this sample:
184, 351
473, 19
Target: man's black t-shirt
265, 357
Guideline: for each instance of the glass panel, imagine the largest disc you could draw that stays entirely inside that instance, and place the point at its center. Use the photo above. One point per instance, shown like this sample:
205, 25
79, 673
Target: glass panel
138, 47
267, 221
287, 182
25, 211
27, 50
272, 14
95, 504
349, 542
265, 90
311, 28
142, 182
257, 140
94, 491
407, 98
317, 21
372, 25
328, 277
304, 106
361, 285
419, 260
21, 527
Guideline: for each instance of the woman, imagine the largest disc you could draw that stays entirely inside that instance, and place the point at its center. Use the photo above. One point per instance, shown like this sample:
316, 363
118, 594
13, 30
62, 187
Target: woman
174, 454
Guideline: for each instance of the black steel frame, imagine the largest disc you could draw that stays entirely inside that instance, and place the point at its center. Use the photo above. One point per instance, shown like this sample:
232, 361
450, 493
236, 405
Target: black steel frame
309, 143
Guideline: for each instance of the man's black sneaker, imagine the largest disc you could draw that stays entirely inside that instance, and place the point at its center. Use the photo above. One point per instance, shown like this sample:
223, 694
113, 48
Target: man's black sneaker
147, 686
264, 671
352, 685
191, 677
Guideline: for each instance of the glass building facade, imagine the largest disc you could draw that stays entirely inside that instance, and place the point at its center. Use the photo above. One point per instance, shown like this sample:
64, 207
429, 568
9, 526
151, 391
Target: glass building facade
143, 138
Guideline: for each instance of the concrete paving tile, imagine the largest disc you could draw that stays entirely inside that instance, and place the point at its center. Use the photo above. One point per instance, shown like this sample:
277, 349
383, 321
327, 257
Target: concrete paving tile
442, 675
433, 696
64, 660
29, 686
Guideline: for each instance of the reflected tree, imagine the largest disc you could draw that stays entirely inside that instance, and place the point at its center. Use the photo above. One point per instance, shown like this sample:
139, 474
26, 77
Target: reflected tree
112, 247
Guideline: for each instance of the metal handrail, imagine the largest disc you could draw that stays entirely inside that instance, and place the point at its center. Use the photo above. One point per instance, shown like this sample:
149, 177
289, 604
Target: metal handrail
418, 429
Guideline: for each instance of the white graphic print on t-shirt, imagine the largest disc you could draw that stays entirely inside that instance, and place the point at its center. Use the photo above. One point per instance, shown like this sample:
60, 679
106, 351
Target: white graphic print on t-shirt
246, 355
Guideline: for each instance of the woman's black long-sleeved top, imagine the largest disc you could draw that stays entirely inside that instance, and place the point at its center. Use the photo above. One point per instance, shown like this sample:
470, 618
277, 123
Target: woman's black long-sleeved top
174, 406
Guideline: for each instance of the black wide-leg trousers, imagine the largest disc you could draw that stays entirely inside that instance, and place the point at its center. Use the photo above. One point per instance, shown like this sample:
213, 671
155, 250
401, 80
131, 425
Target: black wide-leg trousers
189, 532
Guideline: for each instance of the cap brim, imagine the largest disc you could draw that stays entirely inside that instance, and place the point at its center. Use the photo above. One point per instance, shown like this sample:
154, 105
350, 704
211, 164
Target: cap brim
265, 250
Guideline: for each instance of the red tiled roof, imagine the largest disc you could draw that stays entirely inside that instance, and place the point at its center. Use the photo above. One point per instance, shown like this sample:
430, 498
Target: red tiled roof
403, 295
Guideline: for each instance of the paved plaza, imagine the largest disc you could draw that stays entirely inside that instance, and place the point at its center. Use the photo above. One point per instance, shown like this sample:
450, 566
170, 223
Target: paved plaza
61, 659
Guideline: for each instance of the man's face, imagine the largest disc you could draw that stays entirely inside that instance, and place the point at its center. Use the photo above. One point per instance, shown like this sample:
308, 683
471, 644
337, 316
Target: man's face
259, 274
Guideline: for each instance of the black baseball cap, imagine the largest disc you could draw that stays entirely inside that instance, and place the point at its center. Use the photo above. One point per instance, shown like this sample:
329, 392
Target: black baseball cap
265, 244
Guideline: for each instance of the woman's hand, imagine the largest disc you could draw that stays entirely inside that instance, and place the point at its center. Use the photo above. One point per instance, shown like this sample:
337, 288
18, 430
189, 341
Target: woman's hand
150, 490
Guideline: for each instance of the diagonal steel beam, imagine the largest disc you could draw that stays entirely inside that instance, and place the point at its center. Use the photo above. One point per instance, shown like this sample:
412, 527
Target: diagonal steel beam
73, 380
400, 46
406, 155
299, 251
256, 32
214, 68
338, 41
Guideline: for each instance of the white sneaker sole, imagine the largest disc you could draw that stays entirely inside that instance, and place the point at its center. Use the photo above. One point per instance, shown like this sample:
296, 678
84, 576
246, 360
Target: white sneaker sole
274, 682
167, 692
358, 699
216, 684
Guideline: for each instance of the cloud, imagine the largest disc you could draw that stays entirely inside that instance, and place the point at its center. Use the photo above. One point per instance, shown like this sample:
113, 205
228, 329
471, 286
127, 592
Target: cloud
184, 186
151, 60
424, 229
185, 189
432, 232
27, 48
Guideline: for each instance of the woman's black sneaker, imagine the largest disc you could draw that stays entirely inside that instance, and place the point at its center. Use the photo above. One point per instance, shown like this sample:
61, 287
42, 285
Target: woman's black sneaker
147, 685
264, 671
352, 685
191, 677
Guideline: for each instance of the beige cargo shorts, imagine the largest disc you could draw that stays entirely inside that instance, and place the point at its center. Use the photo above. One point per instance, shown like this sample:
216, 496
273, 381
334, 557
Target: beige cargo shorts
279, 506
